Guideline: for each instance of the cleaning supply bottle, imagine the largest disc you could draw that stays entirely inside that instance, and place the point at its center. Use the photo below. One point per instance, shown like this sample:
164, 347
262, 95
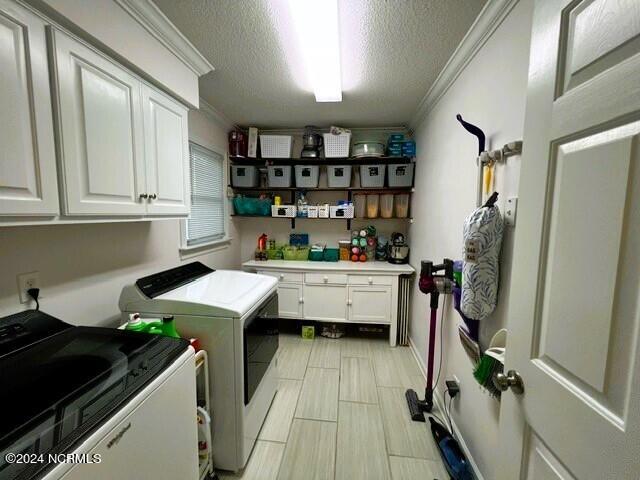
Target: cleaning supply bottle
135, 323
167, 327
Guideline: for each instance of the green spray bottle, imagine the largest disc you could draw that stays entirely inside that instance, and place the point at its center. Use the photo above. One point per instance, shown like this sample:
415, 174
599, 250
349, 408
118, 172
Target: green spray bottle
167, 327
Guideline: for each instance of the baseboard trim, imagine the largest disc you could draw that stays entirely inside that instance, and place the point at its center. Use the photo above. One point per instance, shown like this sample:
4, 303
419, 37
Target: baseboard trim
439, 402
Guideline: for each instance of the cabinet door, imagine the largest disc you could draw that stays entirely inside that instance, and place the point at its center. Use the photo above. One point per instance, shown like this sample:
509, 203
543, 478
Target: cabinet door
290, 301
325, 303
100, 121
370, 304
167, 154
28, 179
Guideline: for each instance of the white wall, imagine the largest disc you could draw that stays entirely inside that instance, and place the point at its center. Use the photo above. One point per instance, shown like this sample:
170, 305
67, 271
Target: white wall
84, 267
490, 92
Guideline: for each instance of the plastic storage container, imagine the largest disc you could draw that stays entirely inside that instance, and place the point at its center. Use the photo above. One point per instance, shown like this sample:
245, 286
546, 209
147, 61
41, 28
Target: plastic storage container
295, 253
336, 146
331, 255
372, 176
307, 176
402, 205
287, 211
339, 176
409, 148
345, 249
341, 211
244, 176
279, 176
401, 175
386, 205
360, 203
373, 204
276, 146
252, 206
396, 137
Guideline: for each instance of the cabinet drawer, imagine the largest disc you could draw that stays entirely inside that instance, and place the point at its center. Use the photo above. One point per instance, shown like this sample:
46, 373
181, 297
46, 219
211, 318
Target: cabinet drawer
325, 278
370, 280
289, 277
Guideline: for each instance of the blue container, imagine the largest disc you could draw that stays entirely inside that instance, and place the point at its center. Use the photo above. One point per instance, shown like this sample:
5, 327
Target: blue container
409, 148
396, 137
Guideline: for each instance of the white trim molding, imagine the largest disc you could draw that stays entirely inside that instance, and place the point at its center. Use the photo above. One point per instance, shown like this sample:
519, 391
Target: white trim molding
216, 115
147, 14
489, 19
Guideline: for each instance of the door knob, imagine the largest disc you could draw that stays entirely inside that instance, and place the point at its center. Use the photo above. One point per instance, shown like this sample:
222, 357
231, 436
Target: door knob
153, 196
370, 280
511, 380
143, 195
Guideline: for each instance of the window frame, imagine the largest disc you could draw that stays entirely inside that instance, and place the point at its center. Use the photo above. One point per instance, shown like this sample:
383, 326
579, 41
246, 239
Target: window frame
217, 244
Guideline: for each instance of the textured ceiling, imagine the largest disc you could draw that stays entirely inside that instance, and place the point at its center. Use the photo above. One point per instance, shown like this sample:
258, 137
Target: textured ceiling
391, 52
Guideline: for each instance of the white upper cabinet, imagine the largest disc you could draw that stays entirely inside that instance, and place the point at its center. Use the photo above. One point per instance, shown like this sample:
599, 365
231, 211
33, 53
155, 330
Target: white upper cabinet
101, 132
28, 180
166, 153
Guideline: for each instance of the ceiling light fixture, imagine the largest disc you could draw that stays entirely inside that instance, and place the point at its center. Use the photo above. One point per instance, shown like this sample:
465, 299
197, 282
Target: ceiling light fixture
316, 25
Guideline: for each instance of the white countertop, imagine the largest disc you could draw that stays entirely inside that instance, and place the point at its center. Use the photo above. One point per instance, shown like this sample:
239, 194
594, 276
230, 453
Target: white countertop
340, 266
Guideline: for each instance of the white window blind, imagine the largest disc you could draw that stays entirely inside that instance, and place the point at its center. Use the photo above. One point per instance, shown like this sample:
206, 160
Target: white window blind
206, 222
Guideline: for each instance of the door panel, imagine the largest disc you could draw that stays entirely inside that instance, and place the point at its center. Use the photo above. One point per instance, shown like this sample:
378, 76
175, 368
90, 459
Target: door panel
325, 303
370, 304
574, 311
28, 179
101, 130
290, 300
166, 150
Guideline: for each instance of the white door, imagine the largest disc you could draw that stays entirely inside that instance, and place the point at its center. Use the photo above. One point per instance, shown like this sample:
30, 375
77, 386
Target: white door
325, 303
167, 154
369, 304
101, 132
290, 301
574, 318
28, 179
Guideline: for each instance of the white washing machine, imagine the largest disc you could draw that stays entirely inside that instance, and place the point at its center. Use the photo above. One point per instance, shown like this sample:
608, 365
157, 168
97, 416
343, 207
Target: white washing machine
234, 314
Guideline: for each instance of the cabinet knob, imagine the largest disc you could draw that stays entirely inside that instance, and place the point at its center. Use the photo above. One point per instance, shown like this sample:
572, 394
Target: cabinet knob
349, 302
326, 279
143, 195
281, 276
301, 300
153, 196
370, 280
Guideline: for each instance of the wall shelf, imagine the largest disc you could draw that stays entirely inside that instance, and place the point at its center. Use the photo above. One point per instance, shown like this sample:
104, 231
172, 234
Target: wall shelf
324, 189
349, 220
320, 161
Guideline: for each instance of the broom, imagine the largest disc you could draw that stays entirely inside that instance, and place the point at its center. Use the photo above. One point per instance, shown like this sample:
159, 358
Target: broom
491, 363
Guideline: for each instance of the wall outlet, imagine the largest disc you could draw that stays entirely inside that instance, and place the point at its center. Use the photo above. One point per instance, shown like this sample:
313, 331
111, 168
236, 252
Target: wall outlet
25, 282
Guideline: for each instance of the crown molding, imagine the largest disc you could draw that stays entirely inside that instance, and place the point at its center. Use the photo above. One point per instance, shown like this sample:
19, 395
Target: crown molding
489, 19
147, 14
215, 115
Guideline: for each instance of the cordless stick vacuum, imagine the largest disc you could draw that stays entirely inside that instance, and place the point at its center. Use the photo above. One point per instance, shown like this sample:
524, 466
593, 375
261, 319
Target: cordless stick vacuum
432, 284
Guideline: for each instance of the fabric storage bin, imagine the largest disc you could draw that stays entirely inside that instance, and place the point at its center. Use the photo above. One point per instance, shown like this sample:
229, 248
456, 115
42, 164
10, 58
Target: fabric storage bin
372, 176
341, 211
276, 146
331, 255
251, 206
316, 255
339, 176
244, 176
287, 211
336, 146
401, 175
279, 176
307, 176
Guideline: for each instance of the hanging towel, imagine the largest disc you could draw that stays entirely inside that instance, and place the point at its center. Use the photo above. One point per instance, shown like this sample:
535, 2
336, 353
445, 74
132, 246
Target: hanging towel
482, 237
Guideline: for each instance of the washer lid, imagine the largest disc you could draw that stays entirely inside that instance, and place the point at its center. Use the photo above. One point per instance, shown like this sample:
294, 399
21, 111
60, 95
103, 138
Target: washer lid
226, 292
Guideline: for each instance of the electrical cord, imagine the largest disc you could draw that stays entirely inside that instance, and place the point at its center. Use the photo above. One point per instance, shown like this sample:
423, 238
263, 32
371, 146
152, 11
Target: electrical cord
35, 293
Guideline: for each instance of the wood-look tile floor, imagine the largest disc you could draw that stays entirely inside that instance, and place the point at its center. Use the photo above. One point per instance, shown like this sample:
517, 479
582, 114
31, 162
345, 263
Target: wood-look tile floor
340, 413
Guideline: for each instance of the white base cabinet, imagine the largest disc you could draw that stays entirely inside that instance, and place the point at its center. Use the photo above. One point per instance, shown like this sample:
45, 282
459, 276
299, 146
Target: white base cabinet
340, 293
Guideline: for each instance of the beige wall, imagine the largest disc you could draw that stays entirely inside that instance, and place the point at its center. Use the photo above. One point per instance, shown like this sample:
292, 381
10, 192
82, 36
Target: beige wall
490, 92
84, 267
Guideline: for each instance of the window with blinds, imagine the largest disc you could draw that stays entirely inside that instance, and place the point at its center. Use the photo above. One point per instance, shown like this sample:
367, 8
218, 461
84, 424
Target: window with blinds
206, 222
